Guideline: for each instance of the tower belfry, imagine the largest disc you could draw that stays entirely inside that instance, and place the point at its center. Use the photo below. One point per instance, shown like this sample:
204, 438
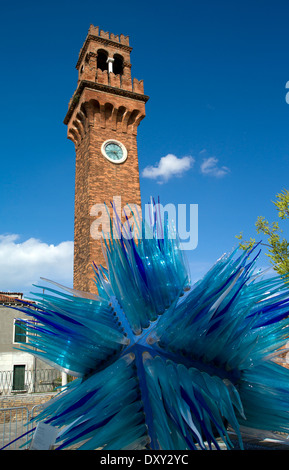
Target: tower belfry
102, 120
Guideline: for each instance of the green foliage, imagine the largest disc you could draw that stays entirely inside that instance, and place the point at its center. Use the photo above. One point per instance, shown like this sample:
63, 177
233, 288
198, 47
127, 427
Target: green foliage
278, 248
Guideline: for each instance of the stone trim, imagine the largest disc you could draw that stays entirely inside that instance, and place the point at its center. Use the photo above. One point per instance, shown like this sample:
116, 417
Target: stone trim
104, 88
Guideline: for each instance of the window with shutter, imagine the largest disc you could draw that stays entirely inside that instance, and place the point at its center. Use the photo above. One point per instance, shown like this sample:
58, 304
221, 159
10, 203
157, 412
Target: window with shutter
19, 332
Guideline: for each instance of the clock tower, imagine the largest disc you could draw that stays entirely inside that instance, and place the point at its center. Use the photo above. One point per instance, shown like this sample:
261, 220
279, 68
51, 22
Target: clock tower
102, 120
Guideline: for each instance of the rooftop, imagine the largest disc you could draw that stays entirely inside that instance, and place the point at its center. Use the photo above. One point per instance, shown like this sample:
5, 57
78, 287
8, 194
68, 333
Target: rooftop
8, 298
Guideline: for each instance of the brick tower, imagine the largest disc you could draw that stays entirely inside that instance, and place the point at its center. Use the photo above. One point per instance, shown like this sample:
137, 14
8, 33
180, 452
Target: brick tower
102, 121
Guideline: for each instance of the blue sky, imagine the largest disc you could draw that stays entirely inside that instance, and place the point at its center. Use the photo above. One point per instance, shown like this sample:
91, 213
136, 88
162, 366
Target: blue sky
215, 73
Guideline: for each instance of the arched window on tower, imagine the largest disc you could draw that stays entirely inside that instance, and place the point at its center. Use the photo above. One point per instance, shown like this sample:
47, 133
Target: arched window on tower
118, 64
102, 59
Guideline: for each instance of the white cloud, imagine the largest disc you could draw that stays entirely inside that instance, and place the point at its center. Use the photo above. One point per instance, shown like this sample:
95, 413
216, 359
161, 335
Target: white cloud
210, 167
168, 167
22, 264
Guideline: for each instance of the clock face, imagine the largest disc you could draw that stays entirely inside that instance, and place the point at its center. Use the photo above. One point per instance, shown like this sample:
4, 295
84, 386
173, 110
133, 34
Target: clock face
114, 151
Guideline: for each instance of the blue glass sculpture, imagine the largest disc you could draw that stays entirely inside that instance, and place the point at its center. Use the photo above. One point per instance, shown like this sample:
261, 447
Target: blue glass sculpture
161, 364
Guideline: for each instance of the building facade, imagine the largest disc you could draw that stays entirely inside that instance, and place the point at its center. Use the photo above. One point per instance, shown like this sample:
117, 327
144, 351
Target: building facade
102, 121
20, 372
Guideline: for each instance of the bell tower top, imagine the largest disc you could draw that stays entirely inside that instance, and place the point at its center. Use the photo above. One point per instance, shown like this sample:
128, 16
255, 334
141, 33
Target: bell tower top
112, 52
104, 64
106, 38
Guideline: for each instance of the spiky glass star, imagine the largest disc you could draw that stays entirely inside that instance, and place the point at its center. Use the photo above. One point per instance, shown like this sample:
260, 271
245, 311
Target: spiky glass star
160, 364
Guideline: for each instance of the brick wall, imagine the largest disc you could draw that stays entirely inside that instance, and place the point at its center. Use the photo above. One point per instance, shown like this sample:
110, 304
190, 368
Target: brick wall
97, 180
22, 400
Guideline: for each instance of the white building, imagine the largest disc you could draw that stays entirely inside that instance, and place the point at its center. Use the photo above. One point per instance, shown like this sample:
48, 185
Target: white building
20, 371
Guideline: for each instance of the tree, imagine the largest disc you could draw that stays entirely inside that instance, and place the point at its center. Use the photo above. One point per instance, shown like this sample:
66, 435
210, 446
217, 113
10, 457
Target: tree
278, 248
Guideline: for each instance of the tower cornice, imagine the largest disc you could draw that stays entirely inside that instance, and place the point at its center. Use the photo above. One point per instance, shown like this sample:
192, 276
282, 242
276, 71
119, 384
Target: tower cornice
102, 88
